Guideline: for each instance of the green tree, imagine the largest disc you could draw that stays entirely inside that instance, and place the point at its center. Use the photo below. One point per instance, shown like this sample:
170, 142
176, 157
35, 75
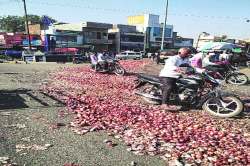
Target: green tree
17, 23
12, 23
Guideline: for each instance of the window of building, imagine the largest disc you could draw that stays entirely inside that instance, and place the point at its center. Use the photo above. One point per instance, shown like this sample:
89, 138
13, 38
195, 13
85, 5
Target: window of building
98, 35
157, 32
132, 38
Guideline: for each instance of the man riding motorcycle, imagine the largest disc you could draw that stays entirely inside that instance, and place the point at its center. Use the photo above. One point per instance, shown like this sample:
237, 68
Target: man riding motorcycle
171, 72
209, 65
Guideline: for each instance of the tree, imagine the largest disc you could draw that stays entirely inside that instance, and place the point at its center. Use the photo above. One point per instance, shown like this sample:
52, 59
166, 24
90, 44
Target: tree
223, 37
12, 24
17, 23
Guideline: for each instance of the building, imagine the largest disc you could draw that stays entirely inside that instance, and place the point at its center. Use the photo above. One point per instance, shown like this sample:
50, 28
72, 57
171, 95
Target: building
143, 33
96, 35
65, 35
142, 22
85, 35
204, 38
179, 41
150, 25
154, 37
126, 37
183, 42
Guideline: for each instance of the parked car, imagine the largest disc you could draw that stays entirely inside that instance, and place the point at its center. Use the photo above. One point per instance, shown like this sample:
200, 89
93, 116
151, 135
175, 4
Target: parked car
129, 55
143, 54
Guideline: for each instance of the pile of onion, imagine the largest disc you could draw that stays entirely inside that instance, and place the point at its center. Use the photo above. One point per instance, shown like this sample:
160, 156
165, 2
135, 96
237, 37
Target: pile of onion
107, 102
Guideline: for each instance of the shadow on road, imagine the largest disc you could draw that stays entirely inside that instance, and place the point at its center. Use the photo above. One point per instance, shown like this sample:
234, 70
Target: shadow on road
16, 99
11, 99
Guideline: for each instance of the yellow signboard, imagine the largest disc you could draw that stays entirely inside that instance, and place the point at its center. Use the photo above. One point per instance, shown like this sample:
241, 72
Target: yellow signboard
35, 29
136, 20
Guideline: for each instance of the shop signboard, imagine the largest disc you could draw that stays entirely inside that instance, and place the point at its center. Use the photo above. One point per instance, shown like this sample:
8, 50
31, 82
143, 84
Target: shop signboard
35, 29
33, 42
2, 40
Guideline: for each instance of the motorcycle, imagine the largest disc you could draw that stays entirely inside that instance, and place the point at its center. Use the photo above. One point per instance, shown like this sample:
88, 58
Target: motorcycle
195, 91
112, 66
231, 75
79, 59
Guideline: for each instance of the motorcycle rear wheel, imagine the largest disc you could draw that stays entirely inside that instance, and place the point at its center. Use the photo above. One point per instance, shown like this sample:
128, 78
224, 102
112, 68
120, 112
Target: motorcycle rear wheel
237, 79
119, 70
226, 106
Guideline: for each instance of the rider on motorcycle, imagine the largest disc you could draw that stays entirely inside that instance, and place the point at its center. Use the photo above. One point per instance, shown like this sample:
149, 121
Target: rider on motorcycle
171, 72
102, 60
209, 65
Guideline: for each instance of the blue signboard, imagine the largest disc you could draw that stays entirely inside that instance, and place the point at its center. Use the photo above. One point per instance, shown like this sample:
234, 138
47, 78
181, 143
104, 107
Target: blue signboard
33, 42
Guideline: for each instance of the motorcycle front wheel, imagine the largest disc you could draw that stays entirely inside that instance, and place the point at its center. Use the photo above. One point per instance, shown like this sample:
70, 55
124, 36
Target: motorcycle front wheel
225, 106
237, 79
119, 70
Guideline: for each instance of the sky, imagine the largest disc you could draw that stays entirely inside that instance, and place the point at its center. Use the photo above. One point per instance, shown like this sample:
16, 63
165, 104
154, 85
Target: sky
189, 17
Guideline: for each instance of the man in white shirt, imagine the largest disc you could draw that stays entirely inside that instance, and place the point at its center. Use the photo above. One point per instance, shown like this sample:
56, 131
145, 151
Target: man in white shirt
171, 72
101, 59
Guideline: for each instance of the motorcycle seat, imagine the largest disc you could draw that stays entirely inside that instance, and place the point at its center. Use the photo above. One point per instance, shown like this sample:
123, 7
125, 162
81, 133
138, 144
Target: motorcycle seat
151, 78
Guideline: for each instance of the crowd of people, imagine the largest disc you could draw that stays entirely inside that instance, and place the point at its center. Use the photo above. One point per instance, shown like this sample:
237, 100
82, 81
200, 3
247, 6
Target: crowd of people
212, 61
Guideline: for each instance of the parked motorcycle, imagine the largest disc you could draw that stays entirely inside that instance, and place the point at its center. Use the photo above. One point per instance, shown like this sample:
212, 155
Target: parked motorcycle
113, 66
231, 75
194, 91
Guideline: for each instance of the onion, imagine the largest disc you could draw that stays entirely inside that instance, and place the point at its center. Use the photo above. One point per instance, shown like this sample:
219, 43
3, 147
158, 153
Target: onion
107, 102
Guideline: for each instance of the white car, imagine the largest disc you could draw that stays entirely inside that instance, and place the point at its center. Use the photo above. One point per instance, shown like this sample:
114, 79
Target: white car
129, 55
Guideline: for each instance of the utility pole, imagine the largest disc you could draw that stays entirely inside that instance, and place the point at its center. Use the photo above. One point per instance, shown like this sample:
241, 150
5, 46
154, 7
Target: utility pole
164, 27
27, 24
198, 40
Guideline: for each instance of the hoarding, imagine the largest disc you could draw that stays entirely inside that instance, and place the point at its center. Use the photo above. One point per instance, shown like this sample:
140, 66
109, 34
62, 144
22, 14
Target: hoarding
33, 42
136, 20
35, 29
2, 41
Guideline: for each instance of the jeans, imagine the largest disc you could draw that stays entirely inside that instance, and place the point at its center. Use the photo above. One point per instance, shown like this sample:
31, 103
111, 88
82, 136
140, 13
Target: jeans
168, 85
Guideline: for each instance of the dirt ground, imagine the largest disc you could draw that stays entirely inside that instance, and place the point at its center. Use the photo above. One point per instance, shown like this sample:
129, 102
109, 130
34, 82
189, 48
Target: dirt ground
32, 132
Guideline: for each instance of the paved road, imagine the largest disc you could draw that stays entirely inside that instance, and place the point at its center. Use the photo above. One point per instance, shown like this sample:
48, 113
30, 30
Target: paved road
32, 132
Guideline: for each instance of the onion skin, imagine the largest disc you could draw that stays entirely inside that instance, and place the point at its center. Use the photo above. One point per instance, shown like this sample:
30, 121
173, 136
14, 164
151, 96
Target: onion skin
107, 102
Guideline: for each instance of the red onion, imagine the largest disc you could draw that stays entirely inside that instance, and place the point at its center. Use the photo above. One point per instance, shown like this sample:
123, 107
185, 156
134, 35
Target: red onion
106, 102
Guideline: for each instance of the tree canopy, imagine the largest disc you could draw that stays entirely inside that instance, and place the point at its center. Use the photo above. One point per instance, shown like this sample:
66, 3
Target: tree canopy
17, 23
